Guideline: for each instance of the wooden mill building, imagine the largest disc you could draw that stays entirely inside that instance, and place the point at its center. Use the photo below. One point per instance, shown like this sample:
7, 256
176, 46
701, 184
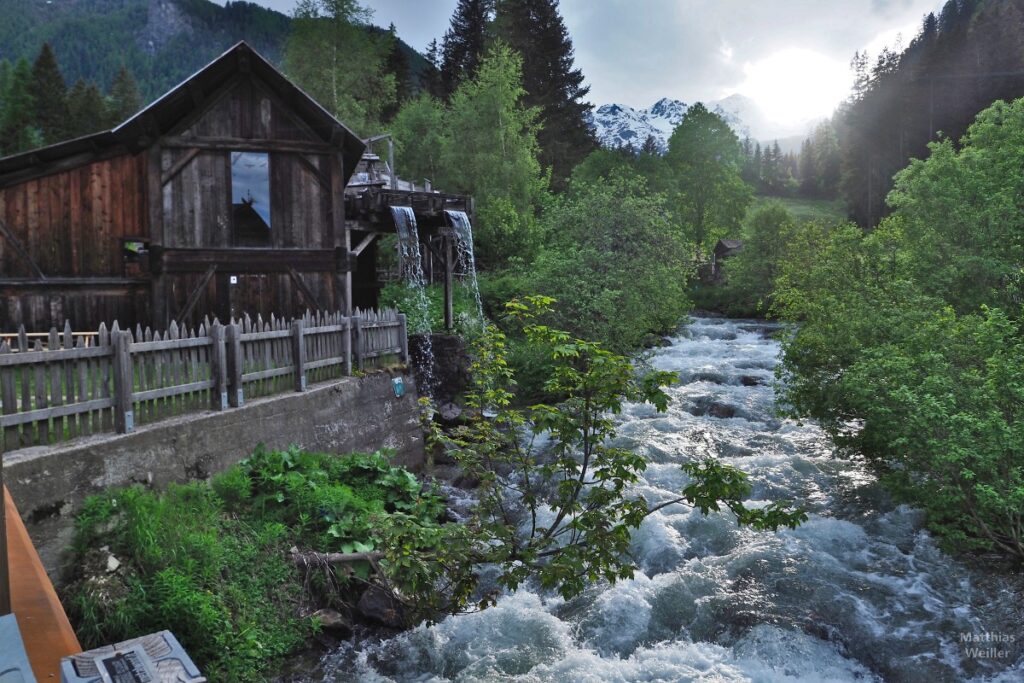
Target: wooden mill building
227, 195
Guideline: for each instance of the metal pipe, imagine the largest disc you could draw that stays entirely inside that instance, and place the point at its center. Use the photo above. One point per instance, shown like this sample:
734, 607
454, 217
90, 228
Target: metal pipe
391, 162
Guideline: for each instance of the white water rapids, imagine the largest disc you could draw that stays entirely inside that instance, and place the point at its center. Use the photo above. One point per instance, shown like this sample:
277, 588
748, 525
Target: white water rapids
858, 593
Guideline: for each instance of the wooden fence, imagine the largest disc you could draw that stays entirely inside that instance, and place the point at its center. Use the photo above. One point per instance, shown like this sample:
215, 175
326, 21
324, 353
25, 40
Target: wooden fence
77, 385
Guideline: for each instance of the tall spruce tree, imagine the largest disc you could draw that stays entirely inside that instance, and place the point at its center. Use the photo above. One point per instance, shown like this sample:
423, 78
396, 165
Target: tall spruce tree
553, 84
431, 78
49, 97
124, 99
87, 108
650, 146
17, 126
464, 43
397, 64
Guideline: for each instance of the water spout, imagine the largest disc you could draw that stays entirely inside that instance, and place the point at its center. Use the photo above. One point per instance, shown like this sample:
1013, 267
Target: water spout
411, 270
463, 230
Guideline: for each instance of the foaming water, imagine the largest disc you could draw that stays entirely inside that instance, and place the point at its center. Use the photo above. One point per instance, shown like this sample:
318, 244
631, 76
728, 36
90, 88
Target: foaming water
858, 593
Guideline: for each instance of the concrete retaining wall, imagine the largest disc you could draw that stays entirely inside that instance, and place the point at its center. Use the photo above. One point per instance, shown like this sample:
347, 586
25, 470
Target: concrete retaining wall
355, 414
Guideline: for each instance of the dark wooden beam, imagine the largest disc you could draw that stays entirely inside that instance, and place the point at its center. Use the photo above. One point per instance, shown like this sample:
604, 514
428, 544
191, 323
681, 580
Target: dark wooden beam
197, 291
246, 145
155, 217
307, 294
340, 235
246, 260
364, 243
289, 111
13, 240
449, 310
179, 165
209, 101
58, 282
314, 171
196, 92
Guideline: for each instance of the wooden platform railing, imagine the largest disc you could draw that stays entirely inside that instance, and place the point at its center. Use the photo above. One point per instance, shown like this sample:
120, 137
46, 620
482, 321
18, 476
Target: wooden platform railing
125, 378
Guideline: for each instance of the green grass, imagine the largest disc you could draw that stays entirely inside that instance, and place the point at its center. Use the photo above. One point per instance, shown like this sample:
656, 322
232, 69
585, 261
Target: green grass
804, 210
211, 561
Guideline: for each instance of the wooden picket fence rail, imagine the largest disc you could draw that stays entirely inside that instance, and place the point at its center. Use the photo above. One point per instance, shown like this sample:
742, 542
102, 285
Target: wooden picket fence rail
78, 385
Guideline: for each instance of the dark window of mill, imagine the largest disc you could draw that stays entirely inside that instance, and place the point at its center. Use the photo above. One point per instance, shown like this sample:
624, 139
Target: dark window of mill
250, 198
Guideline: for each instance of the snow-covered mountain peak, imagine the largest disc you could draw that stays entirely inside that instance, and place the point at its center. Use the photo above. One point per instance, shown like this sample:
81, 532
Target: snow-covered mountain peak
619, 125
671, 110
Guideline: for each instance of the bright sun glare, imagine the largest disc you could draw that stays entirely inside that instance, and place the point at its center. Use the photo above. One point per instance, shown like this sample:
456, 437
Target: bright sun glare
796, 85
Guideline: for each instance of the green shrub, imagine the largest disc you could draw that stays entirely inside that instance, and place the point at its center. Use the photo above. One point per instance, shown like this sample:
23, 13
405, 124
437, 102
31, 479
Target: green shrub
211, 562
406, 299
911, 336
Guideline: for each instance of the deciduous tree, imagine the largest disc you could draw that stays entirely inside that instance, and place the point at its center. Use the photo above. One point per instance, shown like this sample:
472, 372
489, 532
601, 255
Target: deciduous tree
704, 158
339, 63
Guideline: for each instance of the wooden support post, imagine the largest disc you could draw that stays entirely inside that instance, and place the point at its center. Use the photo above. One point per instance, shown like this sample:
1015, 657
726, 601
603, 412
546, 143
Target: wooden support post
449, 311
124, 383
155, 215
357, 340
218, 368
233, 347
5, 568
299, 355
341, 237
403, 337
347, 337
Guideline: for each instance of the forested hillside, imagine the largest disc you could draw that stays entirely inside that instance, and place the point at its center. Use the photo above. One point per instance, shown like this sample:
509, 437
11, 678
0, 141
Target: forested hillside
963, 59
161, 41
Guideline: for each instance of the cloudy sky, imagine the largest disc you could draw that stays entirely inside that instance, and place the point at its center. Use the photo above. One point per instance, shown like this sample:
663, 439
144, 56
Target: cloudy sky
791, 56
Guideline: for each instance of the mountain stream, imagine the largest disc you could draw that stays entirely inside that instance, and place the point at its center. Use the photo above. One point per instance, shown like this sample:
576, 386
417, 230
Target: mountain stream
860, 592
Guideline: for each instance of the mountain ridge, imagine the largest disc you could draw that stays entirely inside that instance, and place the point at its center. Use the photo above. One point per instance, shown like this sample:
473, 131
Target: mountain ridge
619, 125
161, 41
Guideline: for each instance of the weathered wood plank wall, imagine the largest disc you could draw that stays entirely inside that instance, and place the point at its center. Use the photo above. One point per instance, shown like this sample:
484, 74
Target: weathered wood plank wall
72, 223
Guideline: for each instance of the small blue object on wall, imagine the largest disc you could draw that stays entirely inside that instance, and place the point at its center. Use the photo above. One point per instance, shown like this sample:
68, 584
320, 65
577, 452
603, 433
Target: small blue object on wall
398, 384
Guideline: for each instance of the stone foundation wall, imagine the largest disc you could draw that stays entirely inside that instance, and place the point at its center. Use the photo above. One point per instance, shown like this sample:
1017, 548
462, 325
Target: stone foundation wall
48, 484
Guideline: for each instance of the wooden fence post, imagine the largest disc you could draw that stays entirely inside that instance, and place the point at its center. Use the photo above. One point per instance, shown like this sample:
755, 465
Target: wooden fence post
347, 345
233, 344
5, 570
299, 355
9, 397
124, 383
403, 337
357, 340
218, 368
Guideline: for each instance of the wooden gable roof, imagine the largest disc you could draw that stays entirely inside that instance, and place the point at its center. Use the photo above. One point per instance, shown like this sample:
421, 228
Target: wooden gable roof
175, 108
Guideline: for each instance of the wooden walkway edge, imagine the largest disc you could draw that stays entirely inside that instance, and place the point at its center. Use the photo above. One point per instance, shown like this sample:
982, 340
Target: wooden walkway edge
44, 626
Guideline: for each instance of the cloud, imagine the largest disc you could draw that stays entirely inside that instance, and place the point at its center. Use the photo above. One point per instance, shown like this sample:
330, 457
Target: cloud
636, 51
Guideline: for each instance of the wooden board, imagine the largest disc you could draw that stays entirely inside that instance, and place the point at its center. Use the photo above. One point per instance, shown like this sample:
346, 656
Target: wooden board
44, 626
